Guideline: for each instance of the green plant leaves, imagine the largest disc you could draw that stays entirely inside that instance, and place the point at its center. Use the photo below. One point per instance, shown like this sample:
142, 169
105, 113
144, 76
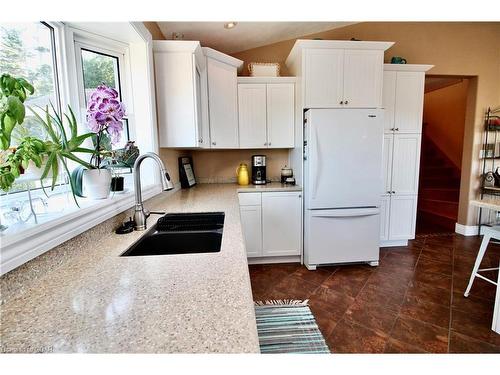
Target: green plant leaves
13, 93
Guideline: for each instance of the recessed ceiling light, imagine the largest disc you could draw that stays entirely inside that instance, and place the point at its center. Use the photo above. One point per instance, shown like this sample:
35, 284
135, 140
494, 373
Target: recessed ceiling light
230, 25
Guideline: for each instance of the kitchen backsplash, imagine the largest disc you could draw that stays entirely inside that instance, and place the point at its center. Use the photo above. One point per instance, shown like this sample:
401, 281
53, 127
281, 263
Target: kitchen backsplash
219, 166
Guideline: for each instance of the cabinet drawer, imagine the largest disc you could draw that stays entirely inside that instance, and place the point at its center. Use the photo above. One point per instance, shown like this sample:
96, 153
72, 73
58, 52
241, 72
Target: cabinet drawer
249, 199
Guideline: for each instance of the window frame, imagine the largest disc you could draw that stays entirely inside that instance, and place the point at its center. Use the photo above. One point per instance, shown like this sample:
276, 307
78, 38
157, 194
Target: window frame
54, 31
22, 244
107, 47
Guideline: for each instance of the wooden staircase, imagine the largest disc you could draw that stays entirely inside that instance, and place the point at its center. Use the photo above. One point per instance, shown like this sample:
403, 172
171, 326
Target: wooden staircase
439, 190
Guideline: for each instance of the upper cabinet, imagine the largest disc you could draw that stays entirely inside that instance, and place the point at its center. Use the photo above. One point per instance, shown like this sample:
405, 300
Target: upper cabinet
404, 97
324, 83
339, 74
266, 112
222, 98
180, 68
196, 95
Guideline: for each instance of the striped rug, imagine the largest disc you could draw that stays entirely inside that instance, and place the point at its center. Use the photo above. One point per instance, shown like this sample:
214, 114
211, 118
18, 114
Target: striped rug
288, 326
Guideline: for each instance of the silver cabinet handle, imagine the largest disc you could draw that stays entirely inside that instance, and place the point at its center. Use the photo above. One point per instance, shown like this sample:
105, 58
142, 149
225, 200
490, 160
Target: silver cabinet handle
342, 102
300, 195
397, 129
388, 192
346, 102
269, 144
265, 144
214, 143
393, 192
200, 140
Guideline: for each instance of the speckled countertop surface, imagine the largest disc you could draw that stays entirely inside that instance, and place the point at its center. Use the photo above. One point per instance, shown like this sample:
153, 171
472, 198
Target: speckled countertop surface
101, 302
269, 187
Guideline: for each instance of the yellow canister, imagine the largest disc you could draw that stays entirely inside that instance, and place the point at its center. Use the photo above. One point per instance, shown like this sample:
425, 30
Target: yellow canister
242, 174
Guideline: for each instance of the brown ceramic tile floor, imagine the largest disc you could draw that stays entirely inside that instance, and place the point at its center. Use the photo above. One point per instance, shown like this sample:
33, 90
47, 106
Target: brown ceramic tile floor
412, 303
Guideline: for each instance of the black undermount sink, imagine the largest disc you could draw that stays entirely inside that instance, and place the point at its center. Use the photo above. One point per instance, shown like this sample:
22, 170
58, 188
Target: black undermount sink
181, 233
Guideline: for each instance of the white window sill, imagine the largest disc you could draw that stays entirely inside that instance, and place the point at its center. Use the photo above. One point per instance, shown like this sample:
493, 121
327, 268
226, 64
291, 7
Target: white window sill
23, 242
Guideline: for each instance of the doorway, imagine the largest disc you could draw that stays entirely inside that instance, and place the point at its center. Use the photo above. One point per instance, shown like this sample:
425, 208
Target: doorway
445, 104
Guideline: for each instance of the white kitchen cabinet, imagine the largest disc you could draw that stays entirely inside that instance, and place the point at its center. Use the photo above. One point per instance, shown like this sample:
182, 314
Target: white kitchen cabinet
324, 78
409, 102
403, 103
340, 74
281, 223
252, 115
363, 77
389, 100
280, 115
385, 202
266, 112
403, 215
251, 222
222, 98
182, 118
405, 163
403, 97
272, 223
387, 162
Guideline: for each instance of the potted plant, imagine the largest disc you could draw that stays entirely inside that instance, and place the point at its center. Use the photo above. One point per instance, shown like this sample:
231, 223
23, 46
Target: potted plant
104, 115
37, 158
13, 93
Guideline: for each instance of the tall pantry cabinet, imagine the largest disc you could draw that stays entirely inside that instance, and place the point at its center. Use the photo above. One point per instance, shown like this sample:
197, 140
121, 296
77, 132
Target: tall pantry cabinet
403, 96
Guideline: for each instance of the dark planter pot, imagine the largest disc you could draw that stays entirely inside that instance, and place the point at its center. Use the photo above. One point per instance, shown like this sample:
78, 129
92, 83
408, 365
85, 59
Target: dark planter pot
117, 183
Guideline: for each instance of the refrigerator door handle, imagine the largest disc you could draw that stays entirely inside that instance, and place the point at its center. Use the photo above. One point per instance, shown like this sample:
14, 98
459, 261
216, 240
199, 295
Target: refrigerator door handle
347, 212
316, 162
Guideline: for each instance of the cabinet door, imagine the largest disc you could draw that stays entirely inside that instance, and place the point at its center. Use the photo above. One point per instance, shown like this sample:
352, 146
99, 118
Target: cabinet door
405, 163
281, 223
223, 104
387, 163
251, 222
409, 102
389, 100
403, 212
385, 207
177, 115
324, 75
363, 75
280, 115
204, 134
252, 115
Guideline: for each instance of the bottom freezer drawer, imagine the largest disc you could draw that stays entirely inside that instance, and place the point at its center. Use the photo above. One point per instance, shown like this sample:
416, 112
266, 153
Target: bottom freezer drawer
342, 236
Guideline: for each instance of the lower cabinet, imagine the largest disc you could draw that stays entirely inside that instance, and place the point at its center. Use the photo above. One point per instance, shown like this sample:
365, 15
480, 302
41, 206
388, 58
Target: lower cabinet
272, 223
251, 221
398, 214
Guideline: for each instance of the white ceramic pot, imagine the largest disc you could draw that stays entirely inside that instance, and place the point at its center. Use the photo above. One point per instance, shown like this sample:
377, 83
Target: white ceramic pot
96, 183
35, 173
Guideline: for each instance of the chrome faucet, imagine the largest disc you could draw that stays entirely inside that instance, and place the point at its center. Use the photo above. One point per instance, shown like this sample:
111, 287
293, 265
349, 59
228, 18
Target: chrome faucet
140, 214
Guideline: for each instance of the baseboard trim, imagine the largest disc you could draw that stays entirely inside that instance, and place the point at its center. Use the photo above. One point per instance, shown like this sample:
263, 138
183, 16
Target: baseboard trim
466, 230
393, 243
270, 260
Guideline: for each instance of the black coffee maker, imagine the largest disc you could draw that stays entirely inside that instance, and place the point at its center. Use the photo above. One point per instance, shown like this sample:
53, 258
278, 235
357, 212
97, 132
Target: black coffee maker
258, 169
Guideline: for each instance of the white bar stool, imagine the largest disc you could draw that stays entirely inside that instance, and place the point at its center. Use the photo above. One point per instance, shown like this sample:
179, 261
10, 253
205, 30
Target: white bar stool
489, 233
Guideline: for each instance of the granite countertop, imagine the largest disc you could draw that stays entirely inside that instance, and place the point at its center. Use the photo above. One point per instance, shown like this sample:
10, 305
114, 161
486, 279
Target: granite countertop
270, 187
101, 302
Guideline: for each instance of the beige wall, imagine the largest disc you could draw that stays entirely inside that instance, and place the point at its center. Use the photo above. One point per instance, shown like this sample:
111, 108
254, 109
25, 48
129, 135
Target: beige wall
220, 165
460, 48
444, 114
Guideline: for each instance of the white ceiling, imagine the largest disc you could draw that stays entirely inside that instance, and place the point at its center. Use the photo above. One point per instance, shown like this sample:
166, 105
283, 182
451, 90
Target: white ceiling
245, 35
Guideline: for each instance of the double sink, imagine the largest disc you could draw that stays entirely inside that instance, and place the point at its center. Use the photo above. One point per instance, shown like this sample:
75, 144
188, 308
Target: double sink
181, 233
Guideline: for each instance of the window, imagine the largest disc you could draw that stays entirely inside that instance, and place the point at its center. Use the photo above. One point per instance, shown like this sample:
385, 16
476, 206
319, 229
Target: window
98, 66
28, 50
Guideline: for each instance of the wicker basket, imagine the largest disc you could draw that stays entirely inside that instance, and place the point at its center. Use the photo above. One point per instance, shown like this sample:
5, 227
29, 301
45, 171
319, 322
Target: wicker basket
257, 69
